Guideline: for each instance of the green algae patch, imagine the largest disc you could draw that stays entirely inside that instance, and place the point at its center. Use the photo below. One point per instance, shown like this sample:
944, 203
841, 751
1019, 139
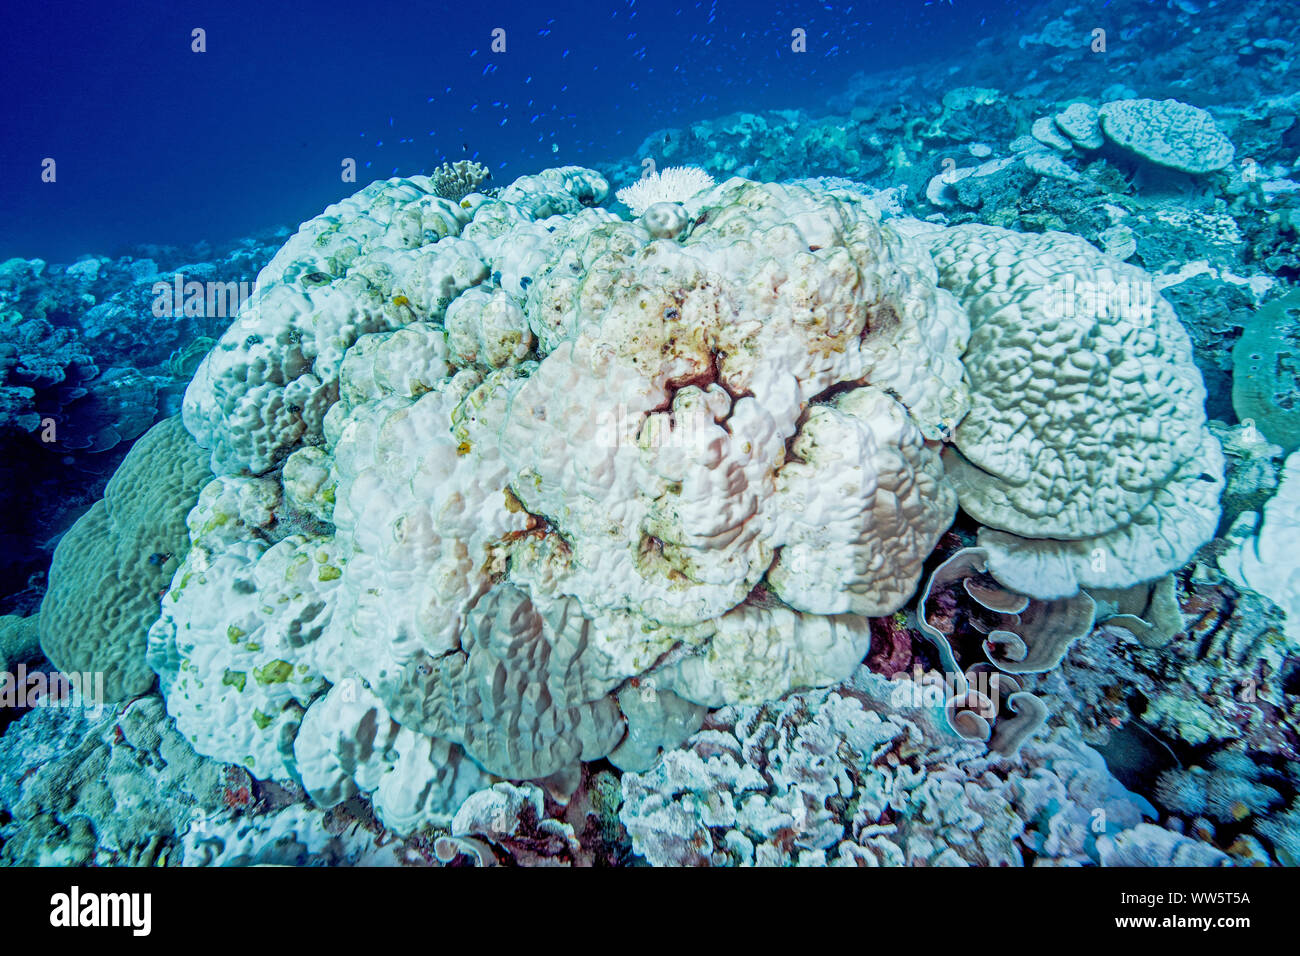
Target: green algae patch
276, 672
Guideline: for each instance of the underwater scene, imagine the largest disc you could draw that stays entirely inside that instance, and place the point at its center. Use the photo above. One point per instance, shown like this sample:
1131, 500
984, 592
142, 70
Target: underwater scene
635, 433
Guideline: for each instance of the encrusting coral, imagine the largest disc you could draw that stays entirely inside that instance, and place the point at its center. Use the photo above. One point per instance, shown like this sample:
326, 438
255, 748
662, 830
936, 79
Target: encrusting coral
508, 484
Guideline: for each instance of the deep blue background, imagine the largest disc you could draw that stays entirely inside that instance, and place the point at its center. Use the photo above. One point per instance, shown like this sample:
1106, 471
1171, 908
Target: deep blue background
155, 143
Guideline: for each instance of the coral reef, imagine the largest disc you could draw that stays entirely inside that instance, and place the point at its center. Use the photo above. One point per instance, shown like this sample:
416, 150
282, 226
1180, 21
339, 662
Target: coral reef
1168, 133
483, 485
861, 775
535, 526
90, 360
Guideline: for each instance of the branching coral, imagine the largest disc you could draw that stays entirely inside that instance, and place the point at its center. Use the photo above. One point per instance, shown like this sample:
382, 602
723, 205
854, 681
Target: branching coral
676, 184
860, 775
455, 181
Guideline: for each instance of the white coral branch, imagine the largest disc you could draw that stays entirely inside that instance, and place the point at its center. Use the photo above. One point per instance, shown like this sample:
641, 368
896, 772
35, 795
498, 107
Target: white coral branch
674, 184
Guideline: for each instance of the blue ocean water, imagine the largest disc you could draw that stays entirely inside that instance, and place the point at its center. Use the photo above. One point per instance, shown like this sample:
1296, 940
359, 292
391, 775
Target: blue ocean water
157, 143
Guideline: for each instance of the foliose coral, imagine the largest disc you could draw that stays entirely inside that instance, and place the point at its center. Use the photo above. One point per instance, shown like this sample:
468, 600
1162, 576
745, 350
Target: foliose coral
864, 774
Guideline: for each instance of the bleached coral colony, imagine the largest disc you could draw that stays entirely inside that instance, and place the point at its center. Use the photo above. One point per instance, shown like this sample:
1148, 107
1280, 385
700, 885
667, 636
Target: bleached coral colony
508, 484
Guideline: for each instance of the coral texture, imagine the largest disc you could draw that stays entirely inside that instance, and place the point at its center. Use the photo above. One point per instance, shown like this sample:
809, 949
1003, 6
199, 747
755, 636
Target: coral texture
676, 184
859, 775
529, 485
1169, 133
1086, 450
114, 564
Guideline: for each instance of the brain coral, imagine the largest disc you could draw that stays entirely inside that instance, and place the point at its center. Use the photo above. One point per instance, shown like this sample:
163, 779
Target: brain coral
1086, 446
530, 484
1169, 133
112, 565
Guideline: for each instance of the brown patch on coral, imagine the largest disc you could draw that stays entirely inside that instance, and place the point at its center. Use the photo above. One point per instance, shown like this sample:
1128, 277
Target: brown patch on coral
891, 646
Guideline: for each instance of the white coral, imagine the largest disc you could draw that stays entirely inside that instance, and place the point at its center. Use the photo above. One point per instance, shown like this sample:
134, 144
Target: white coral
674, 184
1265, 560
619, 479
